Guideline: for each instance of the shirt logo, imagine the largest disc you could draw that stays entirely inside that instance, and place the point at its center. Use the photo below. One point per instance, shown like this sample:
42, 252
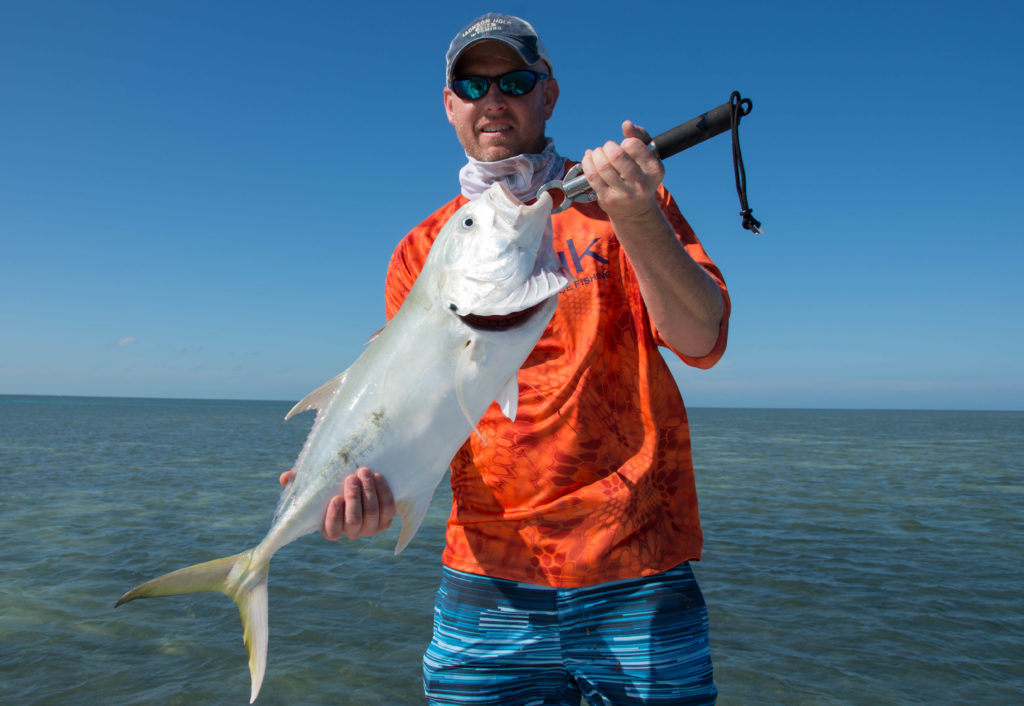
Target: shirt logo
577, 256
578, 262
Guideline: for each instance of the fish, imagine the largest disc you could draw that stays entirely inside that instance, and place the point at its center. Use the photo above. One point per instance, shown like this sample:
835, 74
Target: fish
487, 290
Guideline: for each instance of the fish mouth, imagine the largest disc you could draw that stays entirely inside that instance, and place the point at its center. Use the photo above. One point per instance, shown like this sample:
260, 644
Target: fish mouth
500, 322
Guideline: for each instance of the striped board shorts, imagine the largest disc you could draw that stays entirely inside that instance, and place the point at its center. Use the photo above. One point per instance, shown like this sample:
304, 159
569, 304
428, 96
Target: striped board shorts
637, 641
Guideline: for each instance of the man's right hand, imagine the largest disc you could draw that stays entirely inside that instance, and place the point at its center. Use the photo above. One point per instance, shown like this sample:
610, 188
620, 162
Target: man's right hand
364, 507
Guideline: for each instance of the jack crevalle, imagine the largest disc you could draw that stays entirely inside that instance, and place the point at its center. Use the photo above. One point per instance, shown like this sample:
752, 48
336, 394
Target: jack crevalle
486, 292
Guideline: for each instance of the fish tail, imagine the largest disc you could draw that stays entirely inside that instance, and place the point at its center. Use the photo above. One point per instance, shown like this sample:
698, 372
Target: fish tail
244, 579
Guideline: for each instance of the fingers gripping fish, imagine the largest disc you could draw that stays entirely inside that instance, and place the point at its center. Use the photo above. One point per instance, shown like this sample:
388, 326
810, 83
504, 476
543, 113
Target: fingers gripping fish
486, 292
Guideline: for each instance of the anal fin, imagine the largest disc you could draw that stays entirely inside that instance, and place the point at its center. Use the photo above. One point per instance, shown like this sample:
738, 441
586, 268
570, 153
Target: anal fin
413, 511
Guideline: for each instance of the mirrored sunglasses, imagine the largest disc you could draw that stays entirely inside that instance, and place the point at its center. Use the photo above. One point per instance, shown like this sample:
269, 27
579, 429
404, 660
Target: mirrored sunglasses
514, 83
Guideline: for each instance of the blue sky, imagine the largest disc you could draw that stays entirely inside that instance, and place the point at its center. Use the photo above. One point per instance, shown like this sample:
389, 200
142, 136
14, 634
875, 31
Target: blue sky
199, 199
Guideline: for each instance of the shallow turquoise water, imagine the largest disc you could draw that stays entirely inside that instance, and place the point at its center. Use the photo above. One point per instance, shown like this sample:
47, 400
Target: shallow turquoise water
850, 557
863, 557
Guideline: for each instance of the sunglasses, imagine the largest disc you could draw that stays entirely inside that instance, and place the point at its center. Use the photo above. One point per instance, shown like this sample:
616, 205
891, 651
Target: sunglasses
514, 83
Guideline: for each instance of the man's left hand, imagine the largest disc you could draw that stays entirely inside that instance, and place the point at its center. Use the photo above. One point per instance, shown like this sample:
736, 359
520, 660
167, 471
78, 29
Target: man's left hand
625, 176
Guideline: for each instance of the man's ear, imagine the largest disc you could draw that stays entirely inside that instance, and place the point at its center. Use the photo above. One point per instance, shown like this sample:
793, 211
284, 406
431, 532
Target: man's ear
449, 98
550, 97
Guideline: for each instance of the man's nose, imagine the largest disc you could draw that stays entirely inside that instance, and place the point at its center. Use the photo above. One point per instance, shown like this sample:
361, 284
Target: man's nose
494, 96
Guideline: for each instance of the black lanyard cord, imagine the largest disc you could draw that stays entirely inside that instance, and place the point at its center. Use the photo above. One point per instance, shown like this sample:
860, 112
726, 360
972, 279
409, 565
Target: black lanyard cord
741, 107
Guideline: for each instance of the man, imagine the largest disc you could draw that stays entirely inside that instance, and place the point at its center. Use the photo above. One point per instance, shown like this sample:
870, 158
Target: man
566, 561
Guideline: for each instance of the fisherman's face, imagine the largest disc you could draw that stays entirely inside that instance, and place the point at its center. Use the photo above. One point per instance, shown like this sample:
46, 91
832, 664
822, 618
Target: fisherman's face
498, 126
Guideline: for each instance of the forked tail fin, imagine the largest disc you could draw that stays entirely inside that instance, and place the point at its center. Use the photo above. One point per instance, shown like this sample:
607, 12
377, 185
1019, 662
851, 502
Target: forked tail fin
236, 576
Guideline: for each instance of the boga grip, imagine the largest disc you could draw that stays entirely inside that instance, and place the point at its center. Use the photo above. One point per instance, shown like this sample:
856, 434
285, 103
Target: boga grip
693, 132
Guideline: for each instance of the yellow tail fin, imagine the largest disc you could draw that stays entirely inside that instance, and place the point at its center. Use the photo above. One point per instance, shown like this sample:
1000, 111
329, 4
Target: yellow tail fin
236, 576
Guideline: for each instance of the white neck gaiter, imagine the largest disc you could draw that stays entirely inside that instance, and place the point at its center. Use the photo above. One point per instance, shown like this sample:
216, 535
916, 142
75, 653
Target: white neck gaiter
522, 174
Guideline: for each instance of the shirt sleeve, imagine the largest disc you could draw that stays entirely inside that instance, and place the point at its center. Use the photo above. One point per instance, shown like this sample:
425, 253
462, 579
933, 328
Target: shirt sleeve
693, 246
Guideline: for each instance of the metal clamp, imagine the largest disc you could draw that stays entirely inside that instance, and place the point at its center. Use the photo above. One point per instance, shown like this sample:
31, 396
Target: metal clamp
574, 187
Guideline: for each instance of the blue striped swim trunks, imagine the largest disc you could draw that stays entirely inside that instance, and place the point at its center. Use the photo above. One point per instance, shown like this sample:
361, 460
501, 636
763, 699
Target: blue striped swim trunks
638, 641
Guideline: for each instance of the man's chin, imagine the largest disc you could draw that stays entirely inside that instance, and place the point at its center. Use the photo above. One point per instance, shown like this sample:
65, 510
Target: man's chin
499, 150
497, 155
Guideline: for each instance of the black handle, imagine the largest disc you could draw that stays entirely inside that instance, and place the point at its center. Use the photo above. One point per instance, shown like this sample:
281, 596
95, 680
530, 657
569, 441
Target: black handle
693, 132
575, 187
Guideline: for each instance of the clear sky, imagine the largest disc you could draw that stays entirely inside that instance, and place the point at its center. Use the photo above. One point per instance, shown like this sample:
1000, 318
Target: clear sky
199, 199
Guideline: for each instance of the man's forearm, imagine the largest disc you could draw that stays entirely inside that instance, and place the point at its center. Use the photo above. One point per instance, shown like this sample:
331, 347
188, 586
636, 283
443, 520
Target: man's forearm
684, 300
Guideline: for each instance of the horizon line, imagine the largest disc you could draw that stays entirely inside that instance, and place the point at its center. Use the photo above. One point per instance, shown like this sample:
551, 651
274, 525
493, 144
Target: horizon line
688, 406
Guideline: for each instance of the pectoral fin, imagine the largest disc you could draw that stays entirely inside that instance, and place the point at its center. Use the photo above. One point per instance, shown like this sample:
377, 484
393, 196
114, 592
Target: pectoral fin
461, 366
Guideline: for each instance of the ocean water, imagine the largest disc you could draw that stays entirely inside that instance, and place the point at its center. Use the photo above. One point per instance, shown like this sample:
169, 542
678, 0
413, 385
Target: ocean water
851, 557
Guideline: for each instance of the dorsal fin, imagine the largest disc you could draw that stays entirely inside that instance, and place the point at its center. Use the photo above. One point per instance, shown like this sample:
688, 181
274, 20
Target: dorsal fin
376, 333
318, 398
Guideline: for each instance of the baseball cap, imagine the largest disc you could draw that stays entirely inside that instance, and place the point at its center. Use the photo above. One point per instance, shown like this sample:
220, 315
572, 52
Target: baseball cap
513, 31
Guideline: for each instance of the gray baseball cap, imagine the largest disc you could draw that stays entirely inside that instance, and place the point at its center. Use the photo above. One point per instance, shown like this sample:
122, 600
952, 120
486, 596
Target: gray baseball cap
517, 33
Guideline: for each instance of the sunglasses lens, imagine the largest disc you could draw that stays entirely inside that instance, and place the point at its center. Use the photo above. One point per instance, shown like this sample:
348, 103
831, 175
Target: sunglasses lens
517, 83
470, 88
514, 83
